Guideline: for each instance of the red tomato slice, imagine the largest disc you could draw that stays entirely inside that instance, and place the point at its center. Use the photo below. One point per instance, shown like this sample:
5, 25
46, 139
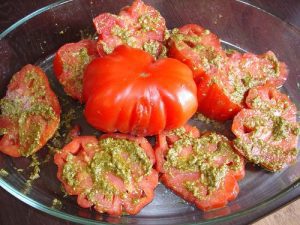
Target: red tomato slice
69, 64
267, 133
203, 170
139, 26
148, 97
227, 86
30, 113
198, 48
113, 174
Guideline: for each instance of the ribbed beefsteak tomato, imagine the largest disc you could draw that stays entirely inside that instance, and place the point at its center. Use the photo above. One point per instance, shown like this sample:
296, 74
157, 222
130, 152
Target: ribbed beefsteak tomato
128, 91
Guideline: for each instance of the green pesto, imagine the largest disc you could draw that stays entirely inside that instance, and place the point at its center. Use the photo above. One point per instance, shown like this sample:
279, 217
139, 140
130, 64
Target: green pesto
281, 128
149, 22
167, 34
249, 149
296, 130
3, 131
151, 47
3, 173
76, 69
275, 71
192, 186
35, 173
201, 160
176, 36
35, 164
115, 147
69, 171
125, 35
110, 159
56, 204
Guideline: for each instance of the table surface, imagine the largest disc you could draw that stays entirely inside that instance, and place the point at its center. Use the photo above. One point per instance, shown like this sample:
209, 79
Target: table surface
15, 212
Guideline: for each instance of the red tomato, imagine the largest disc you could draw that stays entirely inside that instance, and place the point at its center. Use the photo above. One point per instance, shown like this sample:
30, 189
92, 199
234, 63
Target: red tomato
197, 47
202, 169
127, 91
227, 86
267, 133
30, 113
114, 174
139, 26
69, 64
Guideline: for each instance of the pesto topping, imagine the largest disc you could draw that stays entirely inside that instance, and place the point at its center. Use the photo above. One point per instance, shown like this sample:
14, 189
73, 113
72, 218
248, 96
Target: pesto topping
202, 160
114, 156
56, 204
3, 173
126, 36
152, 47
35, 173
19, 107
76, 69
149, 22
70, 171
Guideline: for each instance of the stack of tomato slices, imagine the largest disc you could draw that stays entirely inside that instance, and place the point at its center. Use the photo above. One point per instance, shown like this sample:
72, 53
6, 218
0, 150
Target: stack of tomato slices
130, 86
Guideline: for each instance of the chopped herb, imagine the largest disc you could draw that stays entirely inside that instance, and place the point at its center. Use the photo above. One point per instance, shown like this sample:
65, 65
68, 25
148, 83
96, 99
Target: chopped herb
3, 173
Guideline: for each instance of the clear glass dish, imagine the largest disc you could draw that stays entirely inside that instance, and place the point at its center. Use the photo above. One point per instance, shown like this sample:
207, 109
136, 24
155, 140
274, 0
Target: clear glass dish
36, 37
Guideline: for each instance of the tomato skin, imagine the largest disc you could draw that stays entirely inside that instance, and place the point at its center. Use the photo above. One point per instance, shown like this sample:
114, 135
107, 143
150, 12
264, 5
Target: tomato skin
212, 101
147, 97
19, 88
117, 205
70, 62
175, 178
136, 26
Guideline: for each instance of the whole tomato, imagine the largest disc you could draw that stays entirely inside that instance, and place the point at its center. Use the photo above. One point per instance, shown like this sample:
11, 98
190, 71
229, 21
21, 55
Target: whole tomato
128, 91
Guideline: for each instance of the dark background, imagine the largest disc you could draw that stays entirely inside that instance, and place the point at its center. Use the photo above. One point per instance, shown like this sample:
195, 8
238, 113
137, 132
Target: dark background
15, 212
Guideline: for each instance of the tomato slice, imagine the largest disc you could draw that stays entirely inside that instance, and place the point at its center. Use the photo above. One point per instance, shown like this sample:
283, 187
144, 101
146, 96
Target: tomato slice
222, 78
147, 96
227, 86
30, 113
69, 64
202, 169
113, 174
139, 26
267, 132
198, 48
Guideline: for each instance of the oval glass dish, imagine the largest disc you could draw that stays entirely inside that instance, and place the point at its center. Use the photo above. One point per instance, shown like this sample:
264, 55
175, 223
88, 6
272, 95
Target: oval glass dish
35, 39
